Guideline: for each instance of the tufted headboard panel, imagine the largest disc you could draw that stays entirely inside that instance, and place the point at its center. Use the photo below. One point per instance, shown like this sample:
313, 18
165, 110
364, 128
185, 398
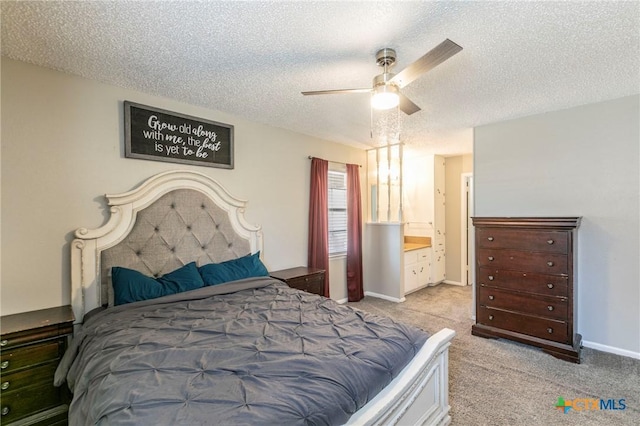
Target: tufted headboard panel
182, 226
171, 219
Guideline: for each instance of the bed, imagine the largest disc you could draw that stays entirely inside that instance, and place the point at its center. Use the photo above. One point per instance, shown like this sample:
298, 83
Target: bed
225, 343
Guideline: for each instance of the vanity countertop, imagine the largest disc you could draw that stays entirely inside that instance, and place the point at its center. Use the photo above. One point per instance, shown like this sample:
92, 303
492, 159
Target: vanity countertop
414, 246
416, 243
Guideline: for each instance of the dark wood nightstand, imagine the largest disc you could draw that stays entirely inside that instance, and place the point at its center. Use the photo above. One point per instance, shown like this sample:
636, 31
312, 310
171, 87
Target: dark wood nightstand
31, 345
303, 278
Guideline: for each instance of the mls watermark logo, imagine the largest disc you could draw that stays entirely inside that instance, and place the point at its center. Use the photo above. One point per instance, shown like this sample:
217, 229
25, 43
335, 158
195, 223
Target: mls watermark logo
590, 404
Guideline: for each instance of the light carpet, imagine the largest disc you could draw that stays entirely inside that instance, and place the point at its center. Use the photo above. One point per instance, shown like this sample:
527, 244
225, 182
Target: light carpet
500, 382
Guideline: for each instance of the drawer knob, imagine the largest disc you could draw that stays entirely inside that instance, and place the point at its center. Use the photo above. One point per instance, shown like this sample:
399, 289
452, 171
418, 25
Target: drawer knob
5, 410
491, 297
490, 317
4, 342
549, 285
549, 263
550, 308
4, 364
5, 386
490, 258
549, 330
550, 242
490, 238
490, 277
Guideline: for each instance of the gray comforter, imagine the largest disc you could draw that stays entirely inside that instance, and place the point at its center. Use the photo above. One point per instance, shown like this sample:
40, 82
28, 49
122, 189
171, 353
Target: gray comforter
252, 352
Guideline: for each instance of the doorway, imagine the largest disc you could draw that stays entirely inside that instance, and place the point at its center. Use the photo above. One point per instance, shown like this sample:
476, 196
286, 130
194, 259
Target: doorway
466, 230
467, 249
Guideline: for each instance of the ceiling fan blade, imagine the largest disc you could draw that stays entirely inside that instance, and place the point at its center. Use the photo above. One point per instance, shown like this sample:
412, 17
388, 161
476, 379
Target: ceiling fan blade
407, 106
332, 92
430, 60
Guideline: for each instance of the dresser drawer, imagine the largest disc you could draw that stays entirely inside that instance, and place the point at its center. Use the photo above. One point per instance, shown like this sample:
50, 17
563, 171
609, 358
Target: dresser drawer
543, 241
27, 401
543, 328
547, 307
548, 285
26, 356
515, 260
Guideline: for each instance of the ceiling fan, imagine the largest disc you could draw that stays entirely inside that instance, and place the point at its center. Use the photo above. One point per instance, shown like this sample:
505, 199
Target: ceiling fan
385, 92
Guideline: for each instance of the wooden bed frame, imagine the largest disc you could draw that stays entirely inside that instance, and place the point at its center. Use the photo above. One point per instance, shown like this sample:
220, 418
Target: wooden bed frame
419, 395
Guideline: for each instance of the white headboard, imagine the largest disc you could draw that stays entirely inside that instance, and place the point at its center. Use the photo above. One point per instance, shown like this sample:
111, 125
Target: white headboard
171, 219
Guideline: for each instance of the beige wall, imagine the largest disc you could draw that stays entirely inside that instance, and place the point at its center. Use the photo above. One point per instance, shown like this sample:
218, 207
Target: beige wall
454, 168
62, 149
582, 161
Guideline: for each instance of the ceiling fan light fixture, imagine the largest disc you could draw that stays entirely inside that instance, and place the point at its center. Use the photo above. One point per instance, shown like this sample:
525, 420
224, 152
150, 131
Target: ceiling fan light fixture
385, 92
385, 96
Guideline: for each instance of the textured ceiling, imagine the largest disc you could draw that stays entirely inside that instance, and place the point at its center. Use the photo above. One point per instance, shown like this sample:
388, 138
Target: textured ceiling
252, 59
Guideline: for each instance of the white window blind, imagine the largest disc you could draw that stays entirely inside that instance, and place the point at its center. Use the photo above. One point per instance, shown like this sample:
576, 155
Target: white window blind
337, 212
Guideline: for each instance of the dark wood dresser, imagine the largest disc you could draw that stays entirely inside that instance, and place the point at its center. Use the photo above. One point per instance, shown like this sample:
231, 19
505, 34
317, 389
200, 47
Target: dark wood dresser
31, 346
525, 282
304, 278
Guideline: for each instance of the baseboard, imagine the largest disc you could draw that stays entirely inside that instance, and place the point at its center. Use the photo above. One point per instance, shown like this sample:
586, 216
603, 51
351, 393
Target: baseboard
454, 283
384, 296
342, 301
610, 349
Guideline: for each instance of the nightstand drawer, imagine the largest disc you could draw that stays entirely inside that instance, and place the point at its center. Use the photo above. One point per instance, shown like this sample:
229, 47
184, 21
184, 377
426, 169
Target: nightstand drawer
42, 374
311, 283
26, 356
27, 401
303, 278
41, 334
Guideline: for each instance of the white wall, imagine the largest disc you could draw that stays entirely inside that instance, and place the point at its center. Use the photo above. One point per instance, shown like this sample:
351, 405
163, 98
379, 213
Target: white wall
62, 149
584, 162
383, 260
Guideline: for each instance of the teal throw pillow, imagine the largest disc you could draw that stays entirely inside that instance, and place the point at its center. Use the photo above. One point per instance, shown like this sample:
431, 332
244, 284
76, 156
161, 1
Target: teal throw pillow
237, 269
133, 286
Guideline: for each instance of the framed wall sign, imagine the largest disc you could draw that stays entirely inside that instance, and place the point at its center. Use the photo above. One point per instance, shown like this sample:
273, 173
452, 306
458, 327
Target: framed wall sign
159, 135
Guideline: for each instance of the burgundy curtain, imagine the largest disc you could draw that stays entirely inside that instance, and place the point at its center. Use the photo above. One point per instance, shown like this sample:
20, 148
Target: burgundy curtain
355, 289
319, 219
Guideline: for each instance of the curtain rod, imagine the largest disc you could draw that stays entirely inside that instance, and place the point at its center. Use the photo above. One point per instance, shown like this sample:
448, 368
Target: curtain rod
338, 162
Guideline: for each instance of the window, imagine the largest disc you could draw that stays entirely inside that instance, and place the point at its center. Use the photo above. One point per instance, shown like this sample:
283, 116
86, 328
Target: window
337, 212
